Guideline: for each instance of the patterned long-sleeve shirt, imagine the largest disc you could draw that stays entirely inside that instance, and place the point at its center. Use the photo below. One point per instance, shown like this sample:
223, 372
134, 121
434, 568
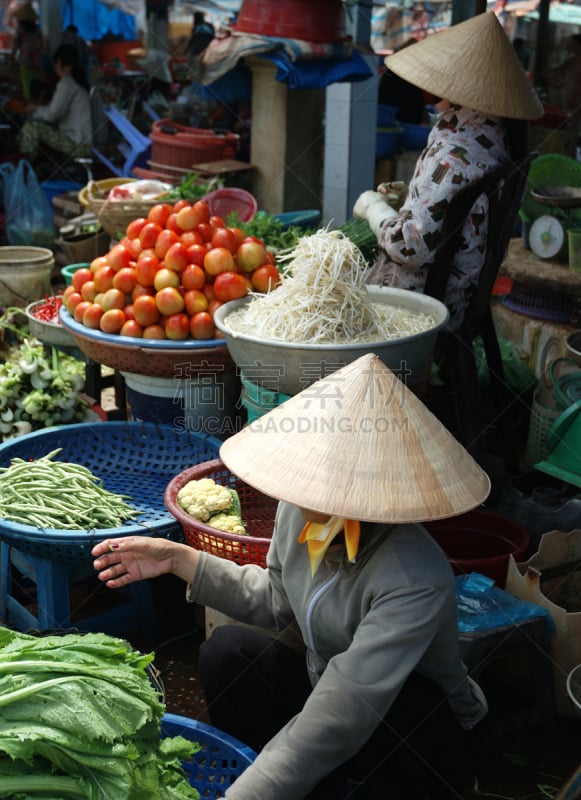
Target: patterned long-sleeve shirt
463, 145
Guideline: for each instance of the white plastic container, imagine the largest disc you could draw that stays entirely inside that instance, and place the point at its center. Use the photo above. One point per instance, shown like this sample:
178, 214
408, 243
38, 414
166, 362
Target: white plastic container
25, 274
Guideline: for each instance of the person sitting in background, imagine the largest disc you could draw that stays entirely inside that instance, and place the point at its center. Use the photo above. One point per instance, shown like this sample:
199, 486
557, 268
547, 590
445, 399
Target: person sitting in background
28, 48
481, 126
71, 36
64, 125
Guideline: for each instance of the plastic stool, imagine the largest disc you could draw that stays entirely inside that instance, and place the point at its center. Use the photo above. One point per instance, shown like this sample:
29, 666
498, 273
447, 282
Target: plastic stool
530, 638
54, 581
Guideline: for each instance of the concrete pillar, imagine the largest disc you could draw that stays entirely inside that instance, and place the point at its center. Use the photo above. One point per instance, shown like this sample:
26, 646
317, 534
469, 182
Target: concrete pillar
286, 144
350, 132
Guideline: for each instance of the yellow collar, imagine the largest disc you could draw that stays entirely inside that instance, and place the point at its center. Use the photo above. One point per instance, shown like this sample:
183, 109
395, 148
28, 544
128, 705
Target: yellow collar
318, 538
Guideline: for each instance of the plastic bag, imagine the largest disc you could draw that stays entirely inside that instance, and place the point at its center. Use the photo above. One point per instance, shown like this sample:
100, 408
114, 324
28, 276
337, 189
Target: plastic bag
482, 606
29, 216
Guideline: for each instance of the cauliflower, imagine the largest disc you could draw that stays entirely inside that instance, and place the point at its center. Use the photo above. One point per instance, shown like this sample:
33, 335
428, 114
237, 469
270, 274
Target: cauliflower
201, 499
227, 522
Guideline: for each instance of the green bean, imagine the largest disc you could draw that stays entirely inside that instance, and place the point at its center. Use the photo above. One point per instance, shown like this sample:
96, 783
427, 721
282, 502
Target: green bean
58, 494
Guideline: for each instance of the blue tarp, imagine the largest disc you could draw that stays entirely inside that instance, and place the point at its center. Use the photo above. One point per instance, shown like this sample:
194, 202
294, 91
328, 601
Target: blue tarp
318, 73
95, 21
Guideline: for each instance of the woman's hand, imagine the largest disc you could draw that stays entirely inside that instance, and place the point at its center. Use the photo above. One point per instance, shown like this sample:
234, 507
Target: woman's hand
395, 193
135, 558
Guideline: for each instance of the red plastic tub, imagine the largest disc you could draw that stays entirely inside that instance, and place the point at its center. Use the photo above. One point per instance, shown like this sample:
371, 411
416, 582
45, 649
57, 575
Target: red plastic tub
319, 21
182, 146
481, 541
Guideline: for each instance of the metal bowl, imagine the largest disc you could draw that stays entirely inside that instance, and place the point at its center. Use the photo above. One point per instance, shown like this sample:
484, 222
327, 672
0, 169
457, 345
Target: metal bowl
290, 367
48, 332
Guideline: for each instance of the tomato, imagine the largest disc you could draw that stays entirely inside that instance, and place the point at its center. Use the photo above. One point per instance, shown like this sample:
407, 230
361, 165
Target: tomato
179, 204
250, 255
177, 326
239, 234
112, 320
154, 331
189, 238
208, 290
145, 310
165, 277
217, 221
149, 233
225, 237
229, 286
89, 291
213, 306
125, 279
202, 209
119, 257
92, 316
195, 301
159, 213
187, 218
172, 224
218, 260
176, 257
80, 309
113, 298
146, 268
68, 291
193, 277
205, 230
196, 254
72, 302
129, 312
100, 261
81, 276
270, 259
202, 326
135, 227
265, 278
103, 278
169, 301
131, 328
164, 241
133, 246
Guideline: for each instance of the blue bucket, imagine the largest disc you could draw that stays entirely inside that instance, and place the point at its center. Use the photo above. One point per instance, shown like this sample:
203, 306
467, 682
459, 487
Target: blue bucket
54, 188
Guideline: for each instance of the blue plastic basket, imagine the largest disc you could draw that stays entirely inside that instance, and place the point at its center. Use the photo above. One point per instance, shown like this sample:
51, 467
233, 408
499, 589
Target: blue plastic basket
221, 760
299, 219
137, 459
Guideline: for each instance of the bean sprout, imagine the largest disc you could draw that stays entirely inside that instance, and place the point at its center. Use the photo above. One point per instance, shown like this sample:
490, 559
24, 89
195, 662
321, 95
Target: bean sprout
322, 299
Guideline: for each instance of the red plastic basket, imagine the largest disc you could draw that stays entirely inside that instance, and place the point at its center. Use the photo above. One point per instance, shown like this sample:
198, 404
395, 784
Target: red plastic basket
182, 146
258, 512
223, 201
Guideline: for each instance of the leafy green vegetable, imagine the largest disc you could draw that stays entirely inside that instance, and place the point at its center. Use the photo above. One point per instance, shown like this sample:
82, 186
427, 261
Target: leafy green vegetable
79, 718
275, 235
192, 188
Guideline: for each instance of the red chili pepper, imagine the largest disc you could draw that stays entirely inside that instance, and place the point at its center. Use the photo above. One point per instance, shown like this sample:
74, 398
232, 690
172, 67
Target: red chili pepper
49, 310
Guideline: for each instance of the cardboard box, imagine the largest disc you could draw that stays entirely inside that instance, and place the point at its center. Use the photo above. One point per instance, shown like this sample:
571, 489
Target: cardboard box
552, 578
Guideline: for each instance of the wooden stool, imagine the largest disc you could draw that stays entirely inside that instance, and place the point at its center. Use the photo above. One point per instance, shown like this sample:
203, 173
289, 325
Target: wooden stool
54, 581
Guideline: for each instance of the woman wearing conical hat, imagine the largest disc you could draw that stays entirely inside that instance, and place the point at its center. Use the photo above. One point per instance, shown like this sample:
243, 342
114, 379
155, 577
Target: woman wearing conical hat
485, 99
351, 685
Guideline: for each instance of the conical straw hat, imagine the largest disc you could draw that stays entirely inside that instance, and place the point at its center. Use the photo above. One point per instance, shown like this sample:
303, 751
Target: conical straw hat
358, 444
471, 64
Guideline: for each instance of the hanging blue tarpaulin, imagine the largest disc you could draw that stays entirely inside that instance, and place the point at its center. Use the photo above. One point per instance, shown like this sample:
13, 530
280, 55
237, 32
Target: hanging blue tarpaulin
95, 20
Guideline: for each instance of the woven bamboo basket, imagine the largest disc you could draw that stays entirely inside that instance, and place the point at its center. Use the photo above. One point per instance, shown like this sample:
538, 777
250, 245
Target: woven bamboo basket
114, 215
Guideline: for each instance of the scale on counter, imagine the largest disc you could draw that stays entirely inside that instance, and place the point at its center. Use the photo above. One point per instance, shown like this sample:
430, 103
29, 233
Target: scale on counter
548, 233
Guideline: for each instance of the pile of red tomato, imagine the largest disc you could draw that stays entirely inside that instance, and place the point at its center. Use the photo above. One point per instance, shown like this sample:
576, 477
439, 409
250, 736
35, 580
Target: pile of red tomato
168, 274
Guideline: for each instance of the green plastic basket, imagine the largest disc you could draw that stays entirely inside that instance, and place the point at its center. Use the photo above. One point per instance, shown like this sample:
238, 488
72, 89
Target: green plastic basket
550, 169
